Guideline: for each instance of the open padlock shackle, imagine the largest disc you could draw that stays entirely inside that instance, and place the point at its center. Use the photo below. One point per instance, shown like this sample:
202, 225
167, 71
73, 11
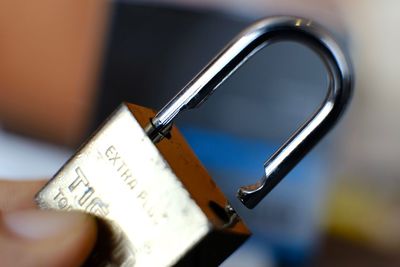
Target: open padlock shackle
246, 44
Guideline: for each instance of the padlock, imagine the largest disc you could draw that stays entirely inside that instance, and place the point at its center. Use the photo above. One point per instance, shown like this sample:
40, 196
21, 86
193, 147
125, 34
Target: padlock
140, 176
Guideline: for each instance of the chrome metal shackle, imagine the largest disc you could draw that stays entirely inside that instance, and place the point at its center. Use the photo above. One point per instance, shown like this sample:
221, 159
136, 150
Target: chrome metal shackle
246, 44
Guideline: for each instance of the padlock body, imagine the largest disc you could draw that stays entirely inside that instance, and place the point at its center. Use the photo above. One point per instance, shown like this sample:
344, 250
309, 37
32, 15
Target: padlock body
162, 206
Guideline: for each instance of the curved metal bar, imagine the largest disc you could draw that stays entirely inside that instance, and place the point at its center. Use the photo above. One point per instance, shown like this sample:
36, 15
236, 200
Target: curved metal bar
247, 43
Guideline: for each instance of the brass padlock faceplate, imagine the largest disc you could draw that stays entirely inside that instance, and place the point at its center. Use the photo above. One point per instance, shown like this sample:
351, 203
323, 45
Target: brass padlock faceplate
161, 203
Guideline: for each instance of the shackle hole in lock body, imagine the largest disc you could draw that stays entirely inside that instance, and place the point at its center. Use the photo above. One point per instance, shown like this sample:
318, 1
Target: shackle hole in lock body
246, 44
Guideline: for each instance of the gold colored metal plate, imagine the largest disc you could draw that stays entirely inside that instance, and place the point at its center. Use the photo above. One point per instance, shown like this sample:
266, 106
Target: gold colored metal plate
161, 205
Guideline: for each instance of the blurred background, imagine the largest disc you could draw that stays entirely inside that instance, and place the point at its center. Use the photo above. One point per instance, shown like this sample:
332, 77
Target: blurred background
65, 65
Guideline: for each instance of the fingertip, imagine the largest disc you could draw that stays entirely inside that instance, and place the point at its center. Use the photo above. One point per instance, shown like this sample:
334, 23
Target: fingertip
48, 238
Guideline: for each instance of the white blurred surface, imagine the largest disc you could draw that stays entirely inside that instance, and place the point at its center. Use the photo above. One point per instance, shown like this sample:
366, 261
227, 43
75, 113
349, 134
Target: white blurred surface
249, 255
25, 158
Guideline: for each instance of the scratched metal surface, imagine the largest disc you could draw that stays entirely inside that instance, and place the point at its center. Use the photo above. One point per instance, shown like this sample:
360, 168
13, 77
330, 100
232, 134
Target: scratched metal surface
159, 220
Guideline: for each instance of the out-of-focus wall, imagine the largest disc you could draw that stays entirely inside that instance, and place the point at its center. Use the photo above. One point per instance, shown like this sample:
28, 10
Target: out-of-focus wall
52, 47
365, 204
373, 145
324, 11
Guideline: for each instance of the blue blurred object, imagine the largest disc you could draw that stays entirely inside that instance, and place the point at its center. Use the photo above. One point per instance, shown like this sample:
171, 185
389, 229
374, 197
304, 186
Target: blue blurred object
287, 222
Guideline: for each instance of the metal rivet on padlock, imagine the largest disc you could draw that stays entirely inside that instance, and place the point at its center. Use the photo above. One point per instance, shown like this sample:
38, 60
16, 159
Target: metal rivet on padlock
157, 198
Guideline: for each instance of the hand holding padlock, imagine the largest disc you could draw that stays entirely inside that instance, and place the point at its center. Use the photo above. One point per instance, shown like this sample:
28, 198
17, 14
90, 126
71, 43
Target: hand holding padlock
159, 200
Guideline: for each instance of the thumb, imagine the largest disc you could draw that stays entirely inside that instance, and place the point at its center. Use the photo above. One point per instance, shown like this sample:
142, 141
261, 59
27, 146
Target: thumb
45, 238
